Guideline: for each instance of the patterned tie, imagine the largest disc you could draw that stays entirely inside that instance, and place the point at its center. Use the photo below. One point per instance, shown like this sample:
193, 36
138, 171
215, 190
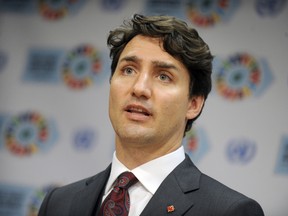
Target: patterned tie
117, 203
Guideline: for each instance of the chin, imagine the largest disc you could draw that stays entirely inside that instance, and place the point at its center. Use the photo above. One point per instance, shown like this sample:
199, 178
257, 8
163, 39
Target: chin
135, 135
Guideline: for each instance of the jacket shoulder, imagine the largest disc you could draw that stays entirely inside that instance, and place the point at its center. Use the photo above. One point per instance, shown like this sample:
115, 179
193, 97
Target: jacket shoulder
60, 200
211, 197
224, 200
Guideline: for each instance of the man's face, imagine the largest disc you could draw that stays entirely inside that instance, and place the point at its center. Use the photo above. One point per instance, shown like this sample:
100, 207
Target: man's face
149, 103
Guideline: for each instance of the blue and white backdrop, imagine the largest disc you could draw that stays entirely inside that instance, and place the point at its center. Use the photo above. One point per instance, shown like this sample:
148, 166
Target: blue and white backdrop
54, 84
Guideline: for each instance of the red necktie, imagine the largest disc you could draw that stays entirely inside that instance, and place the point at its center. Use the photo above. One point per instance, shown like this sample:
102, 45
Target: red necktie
117, 203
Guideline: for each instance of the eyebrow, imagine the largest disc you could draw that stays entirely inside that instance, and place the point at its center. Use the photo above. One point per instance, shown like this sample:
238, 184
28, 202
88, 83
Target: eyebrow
130, 58
165, 65
159, 64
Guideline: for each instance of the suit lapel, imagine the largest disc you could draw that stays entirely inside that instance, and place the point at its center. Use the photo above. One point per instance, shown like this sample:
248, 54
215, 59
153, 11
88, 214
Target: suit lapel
176, 191
85, 201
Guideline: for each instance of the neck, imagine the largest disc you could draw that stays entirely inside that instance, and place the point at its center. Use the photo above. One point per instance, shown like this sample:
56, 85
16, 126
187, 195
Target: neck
134, 155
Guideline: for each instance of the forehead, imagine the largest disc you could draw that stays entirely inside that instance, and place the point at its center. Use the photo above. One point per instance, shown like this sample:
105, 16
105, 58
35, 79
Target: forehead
140, 41
148, 49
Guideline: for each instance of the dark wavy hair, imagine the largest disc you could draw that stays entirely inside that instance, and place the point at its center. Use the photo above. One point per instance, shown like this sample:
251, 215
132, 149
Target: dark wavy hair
179, 40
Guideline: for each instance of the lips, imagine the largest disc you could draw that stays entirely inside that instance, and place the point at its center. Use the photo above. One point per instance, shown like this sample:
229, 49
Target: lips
137, 109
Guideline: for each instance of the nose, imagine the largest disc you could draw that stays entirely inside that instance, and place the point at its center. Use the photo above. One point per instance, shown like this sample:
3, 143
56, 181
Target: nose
142, 86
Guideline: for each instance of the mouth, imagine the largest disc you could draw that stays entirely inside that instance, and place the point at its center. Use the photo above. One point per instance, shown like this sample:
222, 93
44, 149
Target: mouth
135, 109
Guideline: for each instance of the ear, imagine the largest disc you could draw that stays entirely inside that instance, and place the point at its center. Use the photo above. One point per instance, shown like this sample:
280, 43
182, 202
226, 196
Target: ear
195, 105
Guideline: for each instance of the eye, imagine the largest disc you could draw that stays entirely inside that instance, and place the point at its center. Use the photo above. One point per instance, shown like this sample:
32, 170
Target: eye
128, 71
164, 77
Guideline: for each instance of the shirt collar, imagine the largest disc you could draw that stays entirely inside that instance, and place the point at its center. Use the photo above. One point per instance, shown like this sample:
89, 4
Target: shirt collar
150, 174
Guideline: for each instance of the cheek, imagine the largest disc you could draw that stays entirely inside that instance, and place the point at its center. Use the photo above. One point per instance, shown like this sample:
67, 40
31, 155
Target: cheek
116, 96
115, 90
112, 99
174, 104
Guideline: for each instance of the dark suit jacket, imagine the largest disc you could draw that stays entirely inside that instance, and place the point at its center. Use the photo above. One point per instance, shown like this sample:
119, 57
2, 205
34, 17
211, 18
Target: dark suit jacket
186, 188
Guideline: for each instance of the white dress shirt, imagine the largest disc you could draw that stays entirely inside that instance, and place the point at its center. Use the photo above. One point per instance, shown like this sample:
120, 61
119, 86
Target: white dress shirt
150, 176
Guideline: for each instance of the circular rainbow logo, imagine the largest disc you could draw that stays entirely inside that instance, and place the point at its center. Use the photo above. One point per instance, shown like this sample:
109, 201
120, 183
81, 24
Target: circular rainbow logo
55, 10
238, 77
208, 13
27, 133
81, 66
196, 143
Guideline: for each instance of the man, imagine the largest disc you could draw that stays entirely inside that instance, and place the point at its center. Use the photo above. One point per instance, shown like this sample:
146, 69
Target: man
161, 77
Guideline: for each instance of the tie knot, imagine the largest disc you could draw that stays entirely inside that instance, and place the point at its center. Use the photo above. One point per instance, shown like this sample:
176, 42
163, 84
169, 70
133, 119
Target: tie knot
125, 180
